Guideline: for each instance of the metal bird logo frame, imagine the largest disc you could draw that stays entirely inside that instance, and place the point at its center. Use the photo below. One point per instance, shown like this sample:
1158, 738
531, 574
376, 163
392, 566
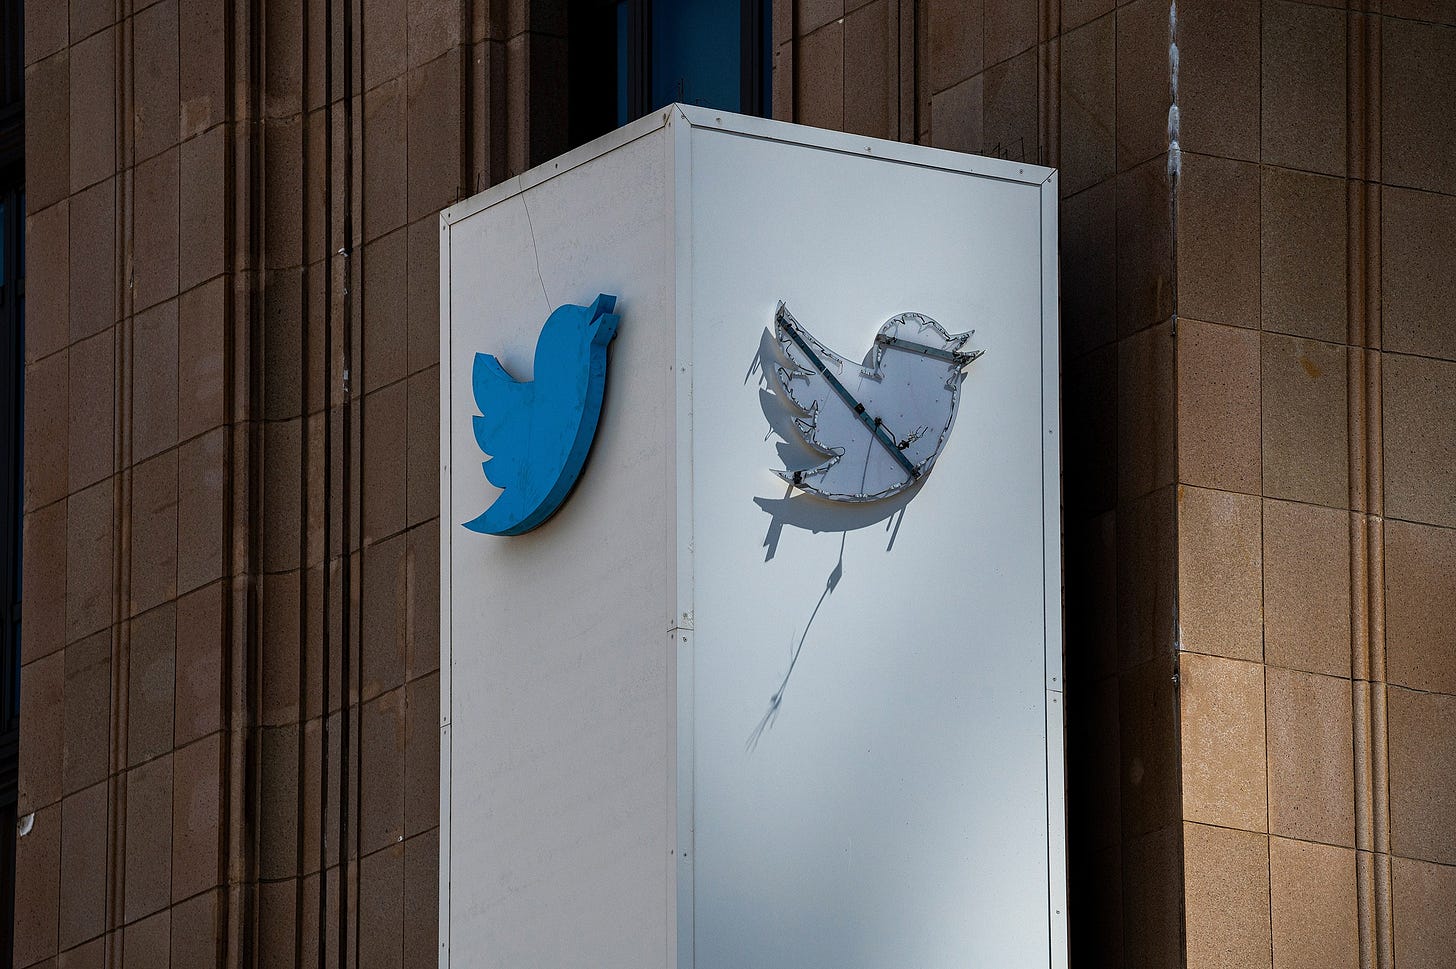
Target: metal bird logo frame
879, 425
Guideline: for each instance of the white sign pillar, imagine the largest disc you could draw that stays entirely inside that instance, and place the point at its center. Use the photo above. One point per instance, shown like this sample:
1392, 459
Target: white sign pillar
703, 719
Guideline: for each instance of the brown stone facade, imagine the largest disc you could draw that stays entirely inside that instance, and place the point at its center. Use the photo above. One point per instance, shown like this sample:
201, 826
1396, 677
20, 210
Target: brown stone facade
229, 749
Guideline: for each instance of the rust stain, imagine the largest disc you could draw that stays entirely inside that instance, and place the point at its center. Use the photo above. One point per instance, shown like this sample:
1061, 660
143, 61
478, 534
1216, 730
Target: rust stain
1309, 367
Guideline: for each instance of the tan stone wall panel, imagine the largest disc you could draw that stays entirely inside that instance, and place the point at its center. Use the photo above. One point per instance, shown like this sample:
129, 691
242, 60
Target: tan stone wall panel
201, 207
43, 553
89, 16
1303, 89
1010, 28
382, 771
1302, 255
1009, 126
956, 41
422, 292
870, 90
1313, 906
1307, 588
1144, 84
89, 560
83, 866
47, 417
421, 771
93, 108
148, 883
48, 296
86, 717
1220, 574
145, 943
385, 354
200, 79
1305, 421
1145, 412
1221, 704
48, 130
1218, 433
956, 115
1218, 240
1146, 578
1420, 586
40, 772
1074, 13
201, 475
1418, 143
1227, 903
1423, 896
1146, 709
93, 254
1311, 770
37, 866
1422, 775
1420, 439
819, 78
384, 462
1088, 107
385, 187
1418, 234
433, 136
197, 707
153, 387
151, 680
1144, 245
1218, 91
1089, 270
155, 51
422, 900
1153, 931
422, 448
90, 432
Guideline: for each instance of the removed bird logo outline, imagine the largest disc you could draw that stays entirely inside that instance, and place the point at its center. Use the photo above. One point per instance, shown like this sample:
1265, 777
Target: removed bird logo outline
879, 425
537, 433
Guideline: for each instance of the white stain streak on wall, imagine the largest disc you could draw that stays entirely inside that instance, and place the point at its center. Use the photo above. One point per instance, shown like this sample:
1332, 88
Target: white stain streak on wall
1175, 161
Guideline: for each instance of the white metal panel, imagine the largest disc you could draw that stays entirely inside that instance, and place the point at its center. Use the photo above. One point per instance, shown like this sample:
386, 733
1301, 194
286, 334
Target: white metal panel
558, 813
896, 811
600, 805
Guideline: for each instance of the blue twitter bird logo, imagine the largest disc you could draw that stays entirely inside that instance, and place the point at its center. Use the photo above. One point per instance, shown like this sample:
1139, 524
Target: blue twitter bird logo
537, 433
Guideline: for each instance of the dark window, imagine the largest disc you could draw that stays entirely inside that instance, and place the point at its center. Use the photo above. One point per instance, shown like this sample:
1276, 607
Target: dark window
629, 57
12, 371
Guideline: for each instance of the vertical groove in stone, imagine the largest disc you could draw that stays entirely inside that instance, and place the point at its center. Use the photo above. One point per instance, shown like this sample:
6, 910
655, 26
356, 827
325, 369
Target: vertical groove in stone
920, 116
1048, 82
243, 173
305, 473
906, 67
1367, 586
122, 321
793, 79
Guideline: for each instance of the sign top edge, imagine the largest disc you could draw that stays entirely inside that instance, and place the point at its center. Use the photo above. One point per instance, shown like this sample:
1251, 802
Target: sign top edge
708, 119
847, 142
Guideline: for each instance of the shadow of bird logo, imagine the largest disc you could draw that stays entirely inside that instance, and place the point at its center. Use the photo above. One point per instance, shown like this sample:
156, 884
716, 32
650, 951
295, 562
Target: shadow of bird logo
866, 434
875, 427
537, 433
